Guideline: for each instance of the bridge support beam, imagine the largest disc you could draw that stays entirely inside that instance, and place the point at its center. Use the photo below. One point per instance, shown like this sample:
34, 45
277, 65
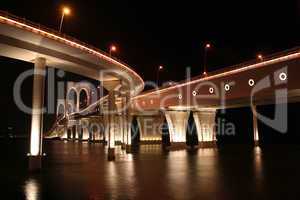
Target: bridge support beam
205, 124
150, 128
255, 129
36, 134
177, 123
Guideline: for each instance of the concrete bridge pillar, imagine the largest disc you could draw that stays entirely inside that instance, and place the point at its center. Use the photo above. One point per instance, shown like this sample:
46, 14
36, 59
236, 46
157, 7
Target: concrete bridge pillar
85, 135
177, 123
127, 124
123, 123
255, 128
150, 128
65, 132
205, 124
36, 134
69, 136
73, 132
78, 134
111, 125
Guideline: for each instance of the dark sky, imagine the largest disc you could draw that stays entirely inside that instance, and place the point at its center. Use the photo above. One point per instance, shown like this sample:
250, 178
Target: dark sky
168, 33
172, 33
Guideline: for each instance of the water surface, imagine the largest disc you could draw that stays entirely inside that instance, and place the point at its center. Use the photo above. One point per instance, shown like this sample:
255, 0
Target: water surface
74, 170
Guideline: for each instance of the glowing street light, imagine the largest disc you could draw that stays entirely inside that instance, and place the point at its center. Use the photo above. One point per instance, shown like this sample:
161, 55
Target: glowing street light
206, 48
160, 68
65, 11
112, 48
260, 57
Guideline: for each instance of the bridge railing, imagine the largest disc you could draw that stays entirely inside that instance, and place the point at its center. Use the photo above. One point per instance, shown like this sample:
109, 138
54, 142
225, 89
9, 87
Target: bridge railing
232, 67
27, 22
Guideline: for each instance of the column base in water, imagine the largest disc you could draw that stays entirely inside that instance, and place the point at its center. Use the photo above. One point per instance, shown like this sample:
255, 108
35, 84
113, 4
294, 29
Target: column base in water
208, 144
177, 146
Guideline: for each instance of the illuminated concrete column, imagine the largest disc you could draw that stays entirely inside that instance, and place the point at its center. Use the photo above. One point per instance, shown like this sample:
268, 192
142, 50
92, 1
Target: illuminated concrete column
111, 125
85, 133
74, 127
85, 129
123, 123
118, 126
177, 123
106, 129
205, 124
255, 129
65, 130
36, 136
150, 128
127, 124
78, 134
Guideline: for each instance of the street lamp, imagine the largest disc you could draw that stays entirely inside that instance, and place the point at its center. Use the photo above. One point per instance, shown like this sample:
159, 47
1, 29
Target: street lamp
65, 11
260, 57
160, 68
112, 48
206, 48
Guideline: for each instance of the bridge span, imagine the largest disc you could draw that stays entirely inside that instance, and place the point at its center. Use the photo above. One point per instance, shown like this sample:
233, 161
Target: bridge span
110, 119
27, 41
273, 80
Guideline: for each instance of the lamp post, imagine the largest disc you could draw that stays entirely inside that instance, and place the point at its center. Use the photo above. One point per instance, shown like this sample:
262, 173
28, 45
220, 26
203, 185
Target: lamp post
112, 48
65, 11
157, 73
206, 48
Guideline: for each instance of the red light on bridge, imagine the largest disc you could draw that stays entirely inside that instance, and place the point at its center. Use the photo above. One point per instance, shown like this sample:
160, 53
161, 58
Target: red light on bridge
113, 48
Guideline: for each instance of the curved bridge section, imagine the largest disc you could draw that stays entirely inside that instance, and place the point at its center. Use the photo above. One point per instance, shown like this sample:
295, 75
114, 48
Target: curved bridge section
24, 40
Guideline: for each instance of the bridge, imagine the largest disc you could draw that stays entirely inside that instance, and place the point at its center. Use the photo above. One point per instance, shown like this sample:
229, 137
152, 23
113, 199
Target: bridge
110, 118
270, 81
24, 40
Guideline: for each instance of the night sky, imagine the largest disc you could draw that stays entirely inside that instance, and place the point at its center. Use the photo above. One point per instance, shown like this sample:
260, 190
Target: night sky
168, 33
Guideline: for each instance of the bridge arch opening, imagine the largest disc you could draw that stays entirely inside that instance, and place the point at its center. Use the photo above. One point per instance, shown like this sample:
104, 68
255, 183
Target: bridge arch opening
60, 111
70, 108
72, 100
83, 99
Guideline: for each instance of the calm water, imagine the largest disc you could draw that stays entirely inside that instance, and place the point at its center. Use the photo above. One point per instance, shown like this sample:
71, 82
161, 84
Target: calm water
80, 171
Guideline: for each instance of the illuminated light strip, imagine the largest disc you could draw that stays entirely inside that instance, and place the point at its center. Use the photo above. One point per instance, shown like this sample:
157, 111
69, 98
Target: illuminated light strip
69, 42
234, 71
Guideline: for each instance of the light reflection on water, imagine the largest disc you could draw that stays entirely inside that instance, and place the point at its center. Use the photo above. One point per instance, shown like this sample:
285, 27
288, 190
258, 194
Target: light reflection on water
32, 189
83, 171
